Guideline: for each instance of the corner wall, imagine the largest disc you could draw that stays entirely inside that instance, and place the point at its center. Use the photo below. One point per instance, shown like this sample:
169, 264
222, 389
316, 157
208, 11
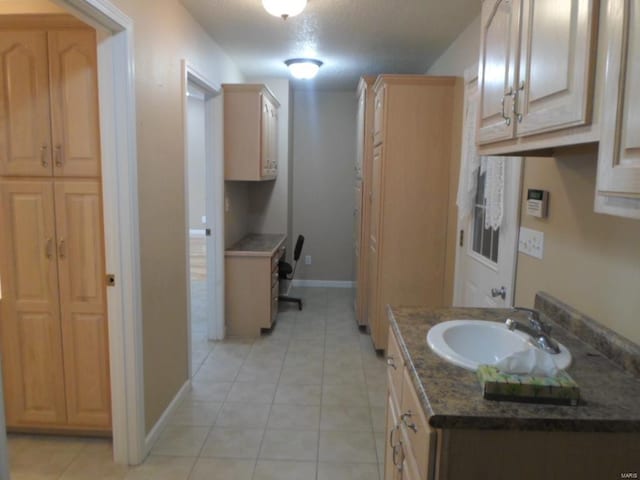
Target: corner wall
165, 34
591, 261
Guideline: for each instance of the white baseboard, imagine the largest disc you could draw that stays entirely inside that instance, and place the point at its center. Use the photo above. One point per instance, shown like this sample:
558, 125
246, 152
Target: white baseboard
324, 283
164, 418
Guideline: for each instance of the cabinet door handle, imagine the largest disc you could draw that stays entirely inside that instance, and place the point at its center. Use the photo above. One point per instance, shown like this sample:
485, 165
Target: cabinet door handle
516, 99
507, 119
59, 156
390, 362
62, 248
48, 249
44, 156
411, 426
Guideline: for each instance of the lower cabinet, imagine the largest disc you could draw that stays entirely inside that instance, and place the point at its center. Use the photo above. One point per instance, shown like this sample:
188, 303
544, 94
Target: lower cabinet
251, 289
53, 319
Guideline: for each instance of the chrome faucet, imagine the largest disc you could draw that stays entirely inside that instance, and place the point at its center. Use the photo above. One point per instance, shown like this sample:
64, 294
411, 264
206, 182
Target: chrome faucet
539, 331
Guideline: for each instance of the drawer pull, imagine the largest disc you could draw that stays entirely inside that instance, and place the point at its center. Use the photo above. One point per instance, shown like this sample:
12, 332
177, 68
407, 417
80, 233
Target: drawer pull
411, 426
390, 363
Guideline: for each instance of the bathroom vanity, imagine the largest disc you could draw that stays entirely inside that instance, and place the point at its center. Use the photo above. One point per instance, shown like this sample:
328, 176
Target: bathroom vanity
440, 427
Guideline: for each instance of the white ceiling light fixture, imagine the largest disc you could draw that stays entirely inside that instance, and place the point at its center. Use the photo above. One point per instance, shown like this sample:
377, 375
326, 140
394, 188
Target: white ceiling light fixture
284, 8
303, 68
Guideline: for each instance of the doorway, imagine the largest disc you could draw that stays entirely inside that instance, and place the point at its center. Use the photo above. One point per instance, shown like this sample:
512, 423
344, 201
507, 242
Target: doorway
486, 257
203, 200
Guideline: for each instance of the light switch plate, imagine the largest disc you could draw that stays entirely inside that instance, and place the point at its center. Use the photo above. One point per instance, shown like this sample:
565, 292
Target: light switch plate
531, 243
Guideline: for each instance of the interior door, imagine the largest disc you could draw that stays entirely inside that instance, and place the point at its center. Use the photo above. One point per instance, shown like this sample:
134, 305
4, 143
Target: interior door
497, 69
25, 132
83, 302
29, 312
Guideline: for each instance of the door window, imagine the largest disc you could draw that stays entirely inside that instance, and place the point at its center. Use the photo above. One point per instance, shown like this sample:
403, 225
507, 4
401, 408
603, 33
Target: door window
485, 240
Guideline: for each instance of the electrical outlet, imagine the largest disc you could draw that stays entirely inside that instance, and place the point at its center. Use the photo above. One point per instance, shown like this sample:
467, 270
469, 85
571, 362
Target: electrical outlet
203, 219
307, 259
531, 243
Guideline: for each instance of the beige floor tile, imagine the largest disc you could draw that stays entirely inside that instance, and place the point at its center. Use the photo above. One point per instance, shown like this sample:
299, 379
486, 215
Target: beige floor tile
297, 417
95, 462
311, 375
42, 457
241, 414
180, 440
347, 471
284, 470
290, 445
233, 443
347, 447
259, 373
296, 394
344, 376
196, 413
251, 392
377, 396
209, 391
209, 373
350, 395
346, 418
162, 468
381, 439
378, 418
222, 469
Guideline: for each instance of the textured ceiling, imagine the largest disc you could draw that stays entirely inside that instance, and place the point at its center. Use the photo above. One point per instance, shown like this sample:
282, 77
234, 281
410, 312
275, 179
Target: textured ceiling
351, 37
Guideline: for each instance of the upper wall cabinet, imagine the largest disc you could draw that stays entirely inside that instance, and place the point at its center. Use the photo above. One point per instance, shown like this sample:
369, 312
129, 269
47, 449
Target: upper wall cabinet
618, 182
536, 72
250, 132
48, 103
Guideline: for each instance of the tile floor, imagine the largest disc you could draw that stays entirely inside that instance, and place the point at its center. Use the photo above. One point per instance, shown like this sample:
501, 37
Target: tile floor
305, 402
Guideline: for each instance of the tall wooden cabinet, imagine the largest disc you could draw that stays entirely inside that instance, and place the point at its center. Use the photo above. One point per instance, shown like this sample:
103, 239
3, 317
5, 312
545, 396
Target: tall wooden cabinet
53, 315
416, 136
364, 149
250, 132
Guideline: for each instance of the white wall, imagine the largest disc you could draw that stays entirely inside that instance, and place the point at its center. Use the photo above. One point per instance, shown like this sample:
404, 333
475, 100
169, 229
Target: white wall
324, 142
196, 160
461, 54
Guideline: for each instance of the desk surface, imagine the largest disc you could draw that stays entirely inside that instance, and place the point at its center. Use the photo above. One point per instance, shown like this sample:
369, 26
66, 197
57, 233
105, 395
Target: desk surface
256, 245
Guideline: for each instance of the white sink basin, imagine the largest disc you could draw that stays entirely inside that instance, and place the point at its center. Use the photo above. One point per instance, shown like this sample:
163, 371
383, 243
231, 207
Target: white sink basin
470, 343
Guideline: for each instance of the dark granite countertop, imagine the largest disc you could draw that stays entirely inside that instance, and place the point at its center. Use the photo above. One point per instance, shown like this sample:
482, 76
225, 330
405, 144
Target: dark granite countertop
452, 396
257, 244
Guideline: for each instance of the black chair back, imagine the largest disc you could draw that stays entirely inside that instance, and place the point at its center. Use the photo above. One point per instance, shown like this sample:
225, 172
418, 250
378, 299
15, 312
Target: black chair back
298, 249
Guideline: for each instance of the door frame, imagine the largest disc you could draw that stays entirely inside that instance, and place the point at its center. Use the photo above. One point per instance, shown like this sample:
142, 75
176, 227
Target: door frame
514, 177
214, 199
117, 101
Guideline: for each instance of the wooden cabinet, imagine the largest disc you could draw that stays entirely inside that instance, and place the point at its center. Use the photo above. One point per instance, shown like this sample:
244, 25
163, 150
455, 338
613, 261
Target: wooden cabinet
250, 132
536, 70
409, 194
251, 289
53, 311
49, 103
618, 183
363, 166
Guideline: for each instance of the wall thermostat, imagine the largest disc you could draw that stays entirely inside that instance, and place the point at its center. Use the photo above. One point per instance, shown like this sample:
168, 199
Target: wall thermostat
537, 203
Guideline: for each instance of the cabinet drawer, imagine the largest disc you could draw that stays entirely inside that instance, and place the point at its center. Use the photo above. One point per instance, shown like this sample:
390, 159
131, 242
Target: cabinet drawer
421, 437
395, 367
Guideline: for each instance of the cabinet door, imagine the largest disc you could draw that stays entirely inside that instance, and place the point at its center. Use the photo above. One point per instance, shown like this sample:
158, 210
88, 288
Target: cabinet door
265, 137
619, 154
373, 316
392, 443
83, 302
29, 311
360, 133
25, 132
74, 103
273, 139
557, 52
497, 69
378, 116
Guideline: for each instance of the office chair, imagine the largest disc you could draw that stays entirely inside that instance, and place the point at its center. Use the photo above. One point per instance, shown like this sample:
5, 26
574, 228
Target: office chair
287, 272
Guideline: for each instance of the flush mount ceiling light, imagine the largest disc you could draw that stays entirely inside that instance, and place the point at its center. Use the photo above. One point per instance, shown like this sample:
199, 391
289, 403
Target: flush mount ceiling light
284, 8
303, 68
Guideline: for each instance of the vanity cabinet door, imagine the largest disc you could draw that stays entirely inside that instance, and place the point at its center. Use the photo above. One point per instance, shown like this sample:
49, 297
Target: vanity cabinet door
497, 69
554, 89
618, 181
392, 444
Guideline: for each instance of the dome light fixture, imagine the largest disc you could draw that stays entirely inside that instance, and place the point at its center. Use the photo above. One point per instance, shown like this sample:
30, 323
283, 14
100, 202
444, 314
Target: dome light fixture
284, 8
303, 68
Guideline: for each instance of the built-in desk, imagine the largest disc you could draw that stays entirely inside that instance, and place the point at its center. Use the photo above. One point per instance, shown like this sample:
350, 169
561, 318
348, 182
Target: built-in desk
251, 283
